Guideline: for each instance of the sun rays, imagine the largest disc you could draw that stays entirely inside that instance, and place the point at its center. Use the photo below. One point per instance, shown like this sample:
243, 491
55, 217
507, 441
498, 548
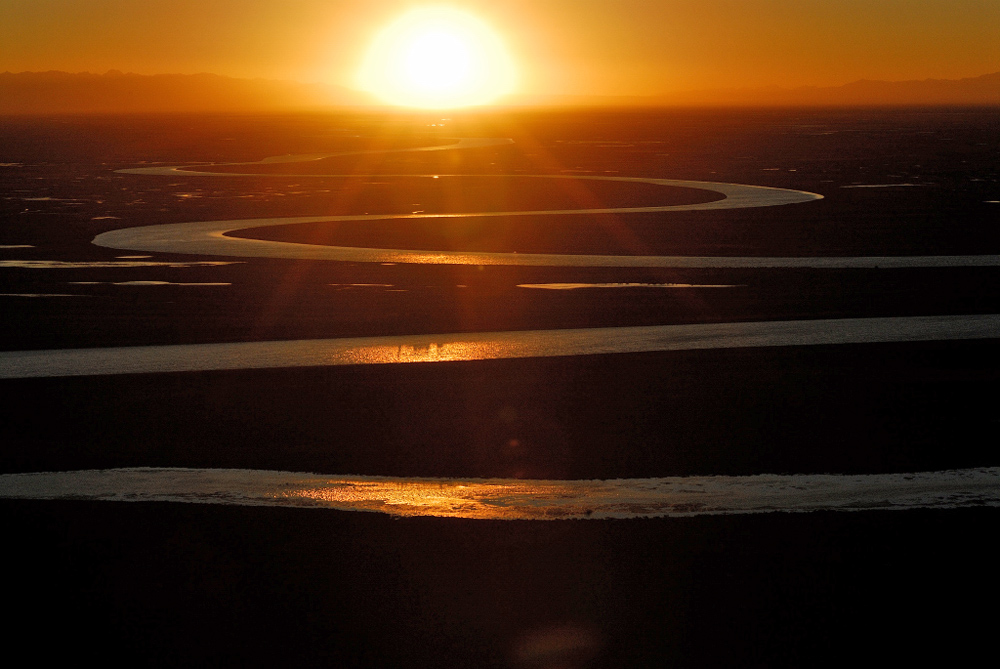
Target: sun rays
437, 58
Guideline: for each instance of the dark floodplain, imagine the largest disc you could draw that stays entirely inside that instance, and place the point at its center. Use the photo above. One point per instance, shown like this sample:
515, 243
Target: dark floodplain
172, 585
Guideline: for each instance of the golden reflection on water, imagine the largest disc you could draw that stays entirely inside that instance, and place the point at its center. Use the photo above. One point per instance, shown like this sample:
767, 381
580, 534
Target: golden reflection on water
539, 499
518, 499
426, 352
489, 345
502, 500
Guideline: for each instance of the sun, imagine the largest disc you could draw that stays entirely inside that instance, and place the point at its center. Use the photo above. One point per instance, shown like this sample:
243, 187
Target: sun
437, 58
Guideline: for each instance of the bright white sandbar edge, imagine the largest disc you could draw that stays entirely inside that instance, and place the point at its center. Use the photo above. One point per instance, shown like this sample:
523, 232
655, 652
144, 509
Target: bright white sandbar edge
490, 345
519, 499
209, 237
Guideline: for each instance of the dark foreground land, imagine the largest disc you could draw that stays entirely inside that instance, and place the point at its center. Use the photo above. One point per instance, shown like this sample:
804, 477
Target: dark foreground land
178, 585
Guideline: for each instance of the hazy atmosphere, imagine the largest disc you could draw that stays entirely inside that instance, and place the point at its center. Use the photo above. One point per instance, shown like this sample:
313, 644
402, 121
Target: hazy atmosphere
572, 47
508, 334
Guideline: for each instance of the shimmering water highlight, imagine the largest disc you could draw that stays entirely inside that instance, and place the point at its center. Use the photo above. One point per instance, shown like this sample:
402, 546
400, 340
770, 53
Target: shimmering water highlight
519, 499
490, 345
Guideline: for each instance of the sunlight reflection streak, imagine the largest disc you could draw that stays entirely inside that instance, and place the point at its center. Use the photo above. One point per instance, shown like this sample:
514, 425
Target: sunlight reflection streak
513, 499
490, 345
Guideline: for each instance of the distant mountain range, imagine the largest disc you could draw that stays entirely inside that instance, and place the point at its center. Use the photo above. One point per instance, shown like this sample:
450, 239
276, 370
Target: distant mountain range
115, 92
983, 90
973, 90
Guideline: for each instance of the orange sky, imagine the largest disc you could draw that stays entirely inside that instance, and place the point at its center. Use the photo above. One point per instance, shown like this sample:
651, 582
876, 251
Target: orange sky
598, 47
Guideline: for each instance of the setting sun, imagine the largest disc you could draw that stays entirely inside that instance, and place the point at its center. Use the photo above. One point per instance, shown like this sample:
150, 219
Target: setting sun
437, 58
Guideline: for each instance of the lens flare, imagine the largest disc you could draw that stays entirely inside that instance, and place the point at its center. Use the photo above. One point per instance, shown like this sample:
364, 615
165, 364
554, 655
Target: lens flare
437, 58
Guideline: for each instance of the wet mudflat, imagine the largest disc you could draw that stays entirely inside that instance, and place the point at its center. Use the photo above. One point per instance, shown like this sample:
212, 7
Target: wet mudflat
193, 585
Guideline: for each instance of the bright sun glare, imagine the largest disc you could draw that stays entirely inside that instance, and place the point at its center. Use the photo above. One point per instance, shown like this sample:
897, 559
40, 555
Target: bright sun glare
437, 58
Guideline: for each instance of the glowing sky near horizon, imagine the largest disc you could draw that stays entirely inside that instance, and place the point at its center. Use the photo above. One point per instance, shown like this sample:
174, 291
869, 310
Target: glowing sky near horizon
561, 46
437, 57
